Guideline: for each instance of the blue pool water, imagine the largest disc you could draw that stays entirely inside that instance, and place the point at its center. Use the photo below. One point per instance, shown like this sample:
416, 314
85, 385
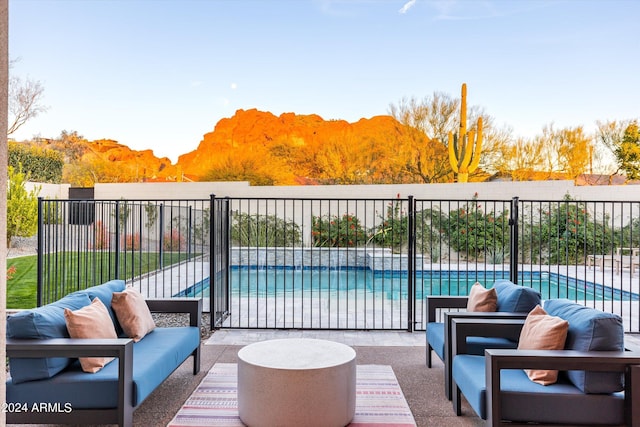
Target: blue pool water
269, 282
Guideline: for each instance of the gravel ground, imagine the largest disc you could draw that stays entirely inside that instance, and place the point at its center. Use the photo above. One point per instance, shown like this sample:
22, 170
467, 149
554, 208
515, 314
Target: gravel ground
22, 246
170, 319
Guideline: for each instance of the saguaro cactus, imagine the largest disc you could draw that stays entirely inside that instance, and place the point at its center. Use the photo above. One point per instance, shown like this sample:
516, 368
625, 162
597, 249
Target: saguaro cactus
465, 147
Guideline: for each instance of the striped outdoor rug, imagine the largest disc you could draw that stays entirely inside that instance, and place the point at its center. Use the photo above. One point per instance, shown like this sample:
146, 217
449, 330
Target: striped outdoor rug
379, 400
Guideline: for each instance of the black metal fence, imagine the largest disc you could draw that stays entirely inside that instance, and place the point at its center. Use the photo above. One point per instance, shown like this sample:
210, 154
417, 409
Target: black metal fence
344, 263
161, 246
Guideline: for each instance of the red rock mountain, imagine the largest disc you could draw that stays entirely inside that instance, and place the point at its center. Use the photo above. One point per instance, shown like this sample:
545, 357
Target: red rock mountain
258, 147
257, 133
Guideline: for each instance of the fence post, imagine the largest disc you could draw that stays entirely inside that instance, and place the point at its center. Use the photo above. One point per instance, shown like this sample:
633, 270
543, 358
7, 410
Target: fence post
212, 260
161, 233
513, 240
227, 253
189, 219
411, 263
39, 261
117, 266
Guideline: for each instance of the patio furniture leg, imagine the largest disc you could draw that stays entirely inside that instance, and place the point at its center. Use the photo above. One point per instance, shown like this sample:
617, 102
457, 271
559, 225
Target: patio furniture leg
455, 401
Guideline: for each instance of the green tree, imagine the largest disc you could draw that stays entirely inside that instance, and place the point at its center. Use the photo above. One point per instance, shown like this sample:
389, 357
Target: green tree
22, 206
628, 153
623, 140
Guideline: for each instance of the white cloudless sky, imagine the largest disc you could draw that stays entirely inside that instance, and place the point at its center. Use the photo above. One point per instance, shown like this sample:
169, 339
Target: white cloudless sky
159, 74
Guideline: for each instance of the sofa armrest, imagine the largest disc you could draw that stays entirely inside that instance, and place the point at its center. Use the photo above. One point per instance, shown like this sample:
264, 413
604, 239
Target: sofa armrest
69, 347
121, 348
464, 327
627, 362
481, 317
178, 305
435, 302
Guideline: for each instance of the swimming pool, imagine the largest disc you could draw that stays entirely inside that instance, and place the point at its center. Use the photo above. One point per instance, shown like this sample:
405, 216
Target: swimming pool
279, 281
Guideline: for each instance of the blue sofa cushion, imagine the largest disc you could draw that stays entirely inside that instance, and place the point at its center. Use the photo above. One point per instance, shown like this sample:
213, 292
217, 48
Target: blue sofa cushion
155, 357
590, 330
515, 298
41, 323
522, 400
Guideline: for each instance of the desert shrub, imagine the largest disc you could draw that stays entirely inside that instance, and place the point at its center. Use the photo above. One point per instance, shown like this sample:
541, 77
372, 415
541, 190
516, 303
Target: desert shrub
430, 235
472, 231
392, 232
567, 231
174, 240
22, 206
337, 231
264, 230
101, 236
131, 242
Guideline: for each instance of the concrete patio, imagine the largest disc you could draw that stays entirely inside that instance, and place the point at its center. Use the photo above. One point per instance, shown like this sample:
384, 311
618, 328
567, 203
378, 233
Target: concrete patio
405, 352
422, 387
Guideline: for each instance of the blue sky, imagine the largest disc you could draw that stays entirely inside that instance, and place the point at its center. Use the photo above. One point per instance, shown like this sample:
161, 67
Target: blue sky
159, 74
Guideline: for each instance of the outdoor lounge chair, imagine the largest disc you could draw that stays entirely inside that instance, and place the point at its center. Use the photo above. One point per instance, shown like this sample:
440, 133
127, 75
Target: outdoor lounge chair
621, 258
514, 302
595, 386
632, 261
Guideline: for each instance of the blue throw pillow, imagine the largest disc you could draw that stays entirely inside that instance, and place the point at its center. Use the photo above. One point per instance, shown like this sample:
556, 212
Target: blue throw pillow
41, 323
590, 330
515, 298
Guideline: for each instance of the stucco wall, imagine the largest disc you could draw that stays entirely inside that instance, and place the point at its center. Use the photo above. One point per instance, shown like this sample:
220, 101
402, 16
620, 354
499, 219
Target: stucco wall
533, 190
50, 191
530, 190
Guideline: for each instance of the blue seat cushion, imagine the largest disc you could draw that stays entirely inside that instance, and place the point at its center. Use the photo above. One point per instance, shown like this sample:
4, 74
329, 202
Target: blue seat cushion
42, 323
475, 345
515, 298
522, 400
590, 330
435, 337
155, 357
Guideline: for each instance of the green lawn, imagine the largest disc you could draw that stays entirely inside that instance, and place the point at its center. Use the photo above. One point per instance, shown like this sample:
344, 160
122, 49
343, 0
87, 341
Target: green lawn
74, 268
21, 288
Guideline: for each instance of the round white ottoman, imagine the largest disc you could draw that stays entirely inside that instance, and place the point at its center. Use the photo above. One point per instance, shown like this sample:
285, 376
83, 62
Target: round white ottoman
296, 382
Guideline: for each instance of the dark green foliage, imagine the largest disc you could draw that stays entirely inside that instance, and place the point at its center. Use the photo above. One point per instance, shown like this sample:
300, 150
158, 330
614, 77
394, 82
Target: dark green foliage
568, 231
335, 231
392, 232
41, 164
472, 231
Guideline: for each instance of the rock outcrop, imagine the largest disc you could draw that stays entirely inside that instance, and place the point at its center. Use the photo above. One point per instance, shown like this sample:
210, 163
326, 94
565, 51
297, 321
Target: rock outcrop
263, 134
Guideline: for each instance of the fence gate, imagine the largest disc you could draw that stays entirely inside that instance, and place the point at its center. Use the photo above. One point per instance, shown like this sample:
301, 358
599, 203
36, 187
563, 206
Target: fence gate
219, 265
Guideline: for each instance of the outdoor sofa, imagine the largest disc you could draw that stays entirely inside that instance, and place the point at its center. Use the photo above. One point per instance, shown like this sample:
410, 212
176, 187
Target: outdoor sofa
513, 302
596, 383
47, 384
